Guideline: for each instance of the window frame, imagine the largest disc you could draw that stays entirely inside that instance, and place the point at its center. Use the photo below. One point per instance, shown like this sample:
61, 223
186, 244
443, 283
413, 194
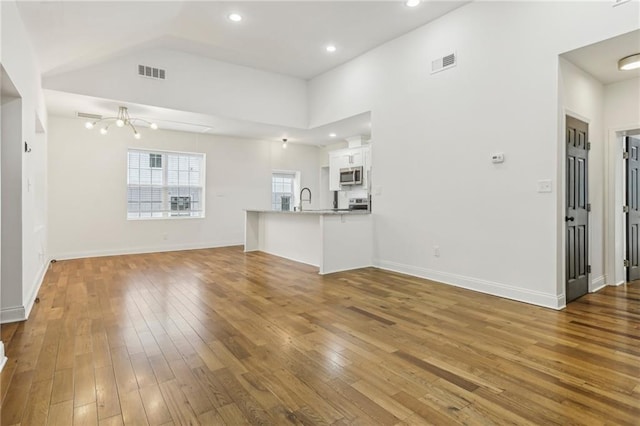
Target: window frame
294, 190
166, 215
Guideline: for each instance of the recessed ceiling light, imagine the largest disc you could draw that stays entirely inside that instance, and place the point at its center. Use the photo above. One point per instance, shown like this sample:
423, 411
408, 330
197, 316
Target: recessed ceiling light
330, 48
412, 3
629, 63
332, 135
235, 17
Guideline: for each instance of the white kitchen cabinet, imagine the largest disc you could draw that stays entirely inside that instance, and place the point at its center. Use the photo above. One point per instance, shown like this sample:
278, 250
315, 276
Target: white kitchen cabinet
349, 157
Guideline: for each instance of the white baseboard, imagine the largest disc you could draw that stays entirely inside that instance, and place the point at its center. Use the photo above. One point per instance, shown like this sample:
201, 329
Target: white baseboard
143, 250
21, 313
483, 286
36, 287
597, 284
3, 358
12, 314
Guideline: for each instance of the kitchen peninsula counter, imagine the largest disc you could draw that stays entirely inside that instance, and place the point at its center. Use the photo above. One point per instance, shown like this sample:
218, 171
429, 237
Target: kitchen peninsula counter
332, 240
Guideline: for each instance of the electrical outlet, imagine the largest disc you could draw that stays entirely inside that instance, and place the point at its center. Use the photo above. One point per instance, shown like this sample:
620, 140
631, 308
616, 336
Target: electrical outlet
436, 251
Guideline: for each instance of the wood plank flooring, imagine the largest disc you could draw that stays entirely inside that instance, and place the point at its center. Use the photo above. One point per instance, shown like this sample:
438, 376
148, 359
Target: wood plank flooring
222, 337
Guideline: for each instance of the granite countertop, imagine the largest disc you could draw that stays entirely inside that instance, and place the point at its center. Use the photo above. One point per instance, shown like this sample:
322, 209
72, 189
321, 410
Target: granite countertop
311, 211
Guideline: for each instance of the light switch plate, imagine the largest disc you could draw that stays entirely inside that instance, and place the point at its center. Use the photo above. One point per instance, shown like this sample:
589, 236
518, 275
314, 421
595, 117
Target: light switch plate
544, 185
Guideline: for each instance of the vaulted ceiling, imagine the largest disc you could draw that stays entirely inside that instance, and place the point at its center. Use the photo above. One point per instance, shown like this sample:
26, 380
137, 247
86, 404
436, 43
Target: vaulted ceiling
285, 37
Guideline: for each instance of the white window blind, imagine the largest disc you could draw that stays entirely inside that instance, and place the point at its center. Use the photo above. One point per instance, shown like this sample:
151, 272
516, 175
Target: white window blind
164, 184
282, 191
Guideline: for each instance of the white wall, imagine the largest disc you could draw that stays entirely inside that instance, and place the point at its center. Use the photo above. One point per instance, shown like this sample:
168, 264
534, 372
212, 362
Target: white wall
621, 113
3, 358
622, 109
87, 199
194, 84
495, 232
12, 300
582, 96
20, 65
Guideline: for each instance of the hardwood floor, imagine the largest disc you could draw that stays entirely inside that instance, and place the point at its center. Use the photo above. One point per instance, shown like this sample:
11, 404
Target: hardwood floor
222, 337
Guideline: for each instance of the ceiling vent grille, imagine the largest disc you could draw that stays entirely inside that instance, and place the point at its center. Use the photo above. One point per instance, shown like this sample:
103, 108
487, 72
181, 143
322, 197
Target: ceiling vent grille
444, 63
88, 116
151, 72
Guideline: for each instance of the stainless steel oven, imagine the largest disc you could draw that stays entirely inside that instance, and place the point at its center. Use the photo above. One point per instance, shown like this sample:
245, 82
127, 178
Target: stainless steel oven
359, 204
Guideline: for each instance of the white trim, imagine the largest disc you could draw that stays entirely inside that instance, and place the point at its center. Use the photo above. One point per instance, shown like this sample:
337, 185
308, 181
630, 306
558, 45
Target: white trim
304, 262
614, 219
36, 288
21, 313
333, 271
597, 284
572, 113
3, 358
142, 250
13, 314
619, 283
483, 286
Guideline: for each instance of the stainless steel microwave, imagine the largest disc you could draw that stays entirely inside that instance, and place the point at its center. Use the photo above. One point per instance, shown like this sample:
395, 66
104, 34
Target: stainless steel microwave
351, 176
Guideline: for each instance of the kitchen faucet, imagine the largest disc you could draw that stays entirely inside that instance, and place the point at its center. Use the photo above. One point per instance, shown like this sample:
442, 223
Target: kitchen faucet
302, 199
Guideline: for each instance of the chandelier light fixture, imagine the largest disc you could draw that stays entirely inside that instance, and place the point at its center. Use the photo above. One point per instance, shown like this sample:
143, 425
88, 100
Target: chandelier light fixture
121, 120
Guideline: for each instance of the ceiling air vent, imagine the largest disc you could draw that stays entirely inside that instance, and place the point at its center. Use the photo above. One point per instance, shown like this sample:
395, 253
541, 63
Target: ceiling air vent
150, 72
88, 116
444, 63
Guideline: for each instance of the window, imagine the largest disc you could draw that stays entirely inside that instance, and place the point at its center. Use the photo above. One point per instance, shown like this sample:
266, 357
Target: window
283, 190
164, 184
155, 161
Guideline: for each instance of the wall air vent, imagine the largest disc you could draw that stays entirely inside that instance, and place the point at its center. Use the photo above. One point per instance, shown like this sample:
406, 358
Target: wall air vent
88, 116
444, 63
150, 72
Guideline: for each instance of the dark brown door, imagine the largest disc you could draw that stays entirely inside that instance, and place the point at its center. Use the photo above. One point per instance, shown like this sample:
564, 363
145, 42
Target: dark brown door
577, 215
632, 207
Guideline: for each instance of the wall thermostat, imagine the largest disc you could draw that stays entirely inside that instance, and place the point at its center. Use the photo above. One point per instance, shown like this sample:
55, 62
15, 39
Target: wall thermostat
498, 157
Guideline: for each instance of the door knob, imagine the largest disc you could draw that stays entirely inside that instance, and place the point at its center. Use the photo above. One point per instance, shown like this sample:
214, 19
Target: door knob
568, 218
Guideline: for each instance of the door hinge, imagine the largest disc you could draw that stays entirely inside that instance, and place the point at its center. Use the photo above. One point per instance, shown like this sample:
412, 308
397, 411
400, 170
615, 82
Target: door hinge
588, 269
625, 155
588, 207
625, 209
627, 263
588, 146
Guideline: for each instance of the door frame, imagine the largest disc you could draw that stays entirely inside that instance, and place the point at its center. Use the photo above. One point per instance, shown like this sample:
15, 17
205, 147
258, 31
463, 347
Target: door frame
615, 221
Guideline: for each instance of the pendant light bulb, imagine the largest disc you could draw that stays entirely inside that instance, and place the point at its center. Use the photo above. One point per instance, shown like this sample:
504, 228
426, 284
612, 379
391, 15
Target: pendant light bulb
153, 126
89, 125
104, 131
284, 144
137, 135
120, 122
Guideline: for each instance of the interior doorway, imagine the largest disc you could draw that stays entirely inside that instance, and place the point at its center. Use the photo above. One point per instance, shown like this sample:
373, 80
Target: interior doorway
631, 208
577, 208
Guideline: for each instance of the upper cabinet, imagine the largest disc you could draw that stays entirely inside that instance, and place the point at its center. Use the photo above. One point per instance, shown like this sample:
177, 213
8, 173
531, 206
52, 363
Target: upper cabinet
349, 157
